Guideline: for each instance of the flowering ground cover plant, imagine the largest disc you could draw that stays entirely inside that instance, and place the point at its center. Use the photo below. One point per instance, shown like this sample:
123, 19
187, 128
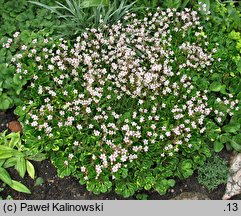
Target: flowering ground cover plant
126, 106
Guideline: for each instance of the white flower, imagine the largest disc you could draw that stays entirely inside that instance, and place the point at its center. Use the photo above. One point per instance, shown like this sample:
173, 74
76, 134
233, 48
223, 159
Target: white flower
24, 47
96, 133
50, 67
145, 148
49, 117
88, 110
16, 34
70, 156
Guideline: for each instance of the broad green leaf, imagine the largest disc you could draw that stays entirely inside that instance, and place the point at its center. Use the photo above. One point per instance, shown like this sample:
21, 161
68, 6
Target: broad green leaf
10, 162
15, 138
30, 169
18, 186
21, 166
217, 86
5, 177
37, 157
6, 152
5, 102
218, 146
185, 168
231, 127
235, 142
224, 138
2, 162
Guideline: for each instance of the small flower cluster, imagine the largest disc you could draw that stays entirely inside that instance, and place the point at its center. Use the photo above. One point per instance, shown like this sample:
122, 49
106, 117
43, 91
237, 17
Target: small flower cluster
230, 107
123, 91
9, 41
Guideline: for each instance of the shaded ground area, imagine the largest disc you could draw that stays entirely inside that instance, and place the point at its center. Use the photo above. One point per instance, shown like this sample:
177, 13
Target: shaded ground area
68, 188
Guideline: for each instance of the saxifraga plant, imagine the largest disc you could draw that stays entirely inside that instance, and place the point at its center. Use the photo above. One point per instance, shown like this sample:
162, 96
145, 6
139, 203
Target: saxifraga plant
123, 107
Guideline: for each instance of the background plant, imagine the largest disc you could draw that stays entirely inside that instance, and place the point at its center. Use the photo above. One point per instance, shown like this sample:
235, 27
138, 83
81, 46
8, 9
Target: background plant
213, 173
31, 21
226, 79
82, 14
14, 154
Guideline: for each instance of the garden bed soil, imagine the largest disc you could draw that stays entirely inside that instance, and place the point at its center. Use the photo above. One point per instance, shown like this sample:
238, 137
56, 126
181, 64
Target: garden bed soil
68, 188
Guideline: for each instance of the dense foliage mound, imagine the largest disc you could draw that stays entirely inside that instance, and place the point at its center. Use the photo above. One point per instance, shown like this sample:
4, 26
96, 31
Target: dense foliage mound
127, 106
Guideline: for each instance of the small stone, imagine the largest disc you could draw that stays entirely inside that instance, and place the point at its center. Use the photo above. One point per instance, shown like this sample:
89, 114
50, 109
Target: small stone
234, 180
15, 126
191, 196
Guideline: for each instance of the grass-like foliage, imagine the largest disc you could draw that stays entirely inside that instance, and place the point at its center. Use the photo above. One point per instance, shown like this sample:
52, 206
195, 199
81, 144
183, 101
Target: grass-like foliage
127, 106
81, 14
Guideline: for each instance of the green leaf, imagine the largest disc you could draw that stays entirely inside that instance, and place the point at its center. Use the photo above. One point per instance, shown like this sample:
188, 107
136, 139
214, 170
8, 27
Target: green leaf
19, 111
25, 36
142, 196
30, 169
125, 189
21, 166
185, 168
5, 102
224, 138
162, 186
236, 142
171, 182
231, 127
5, 177
239, 65
15, 138
19, 187
2, 162
37, 157
124, 172
94, 3
217, 87
10, 162
39, 181
6, 152
148, 186
218, 146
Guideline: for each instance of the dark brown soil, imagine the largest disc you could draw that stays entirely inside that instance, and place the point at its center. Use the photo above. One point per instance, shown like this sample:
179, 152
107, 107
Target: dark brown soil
68, 188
